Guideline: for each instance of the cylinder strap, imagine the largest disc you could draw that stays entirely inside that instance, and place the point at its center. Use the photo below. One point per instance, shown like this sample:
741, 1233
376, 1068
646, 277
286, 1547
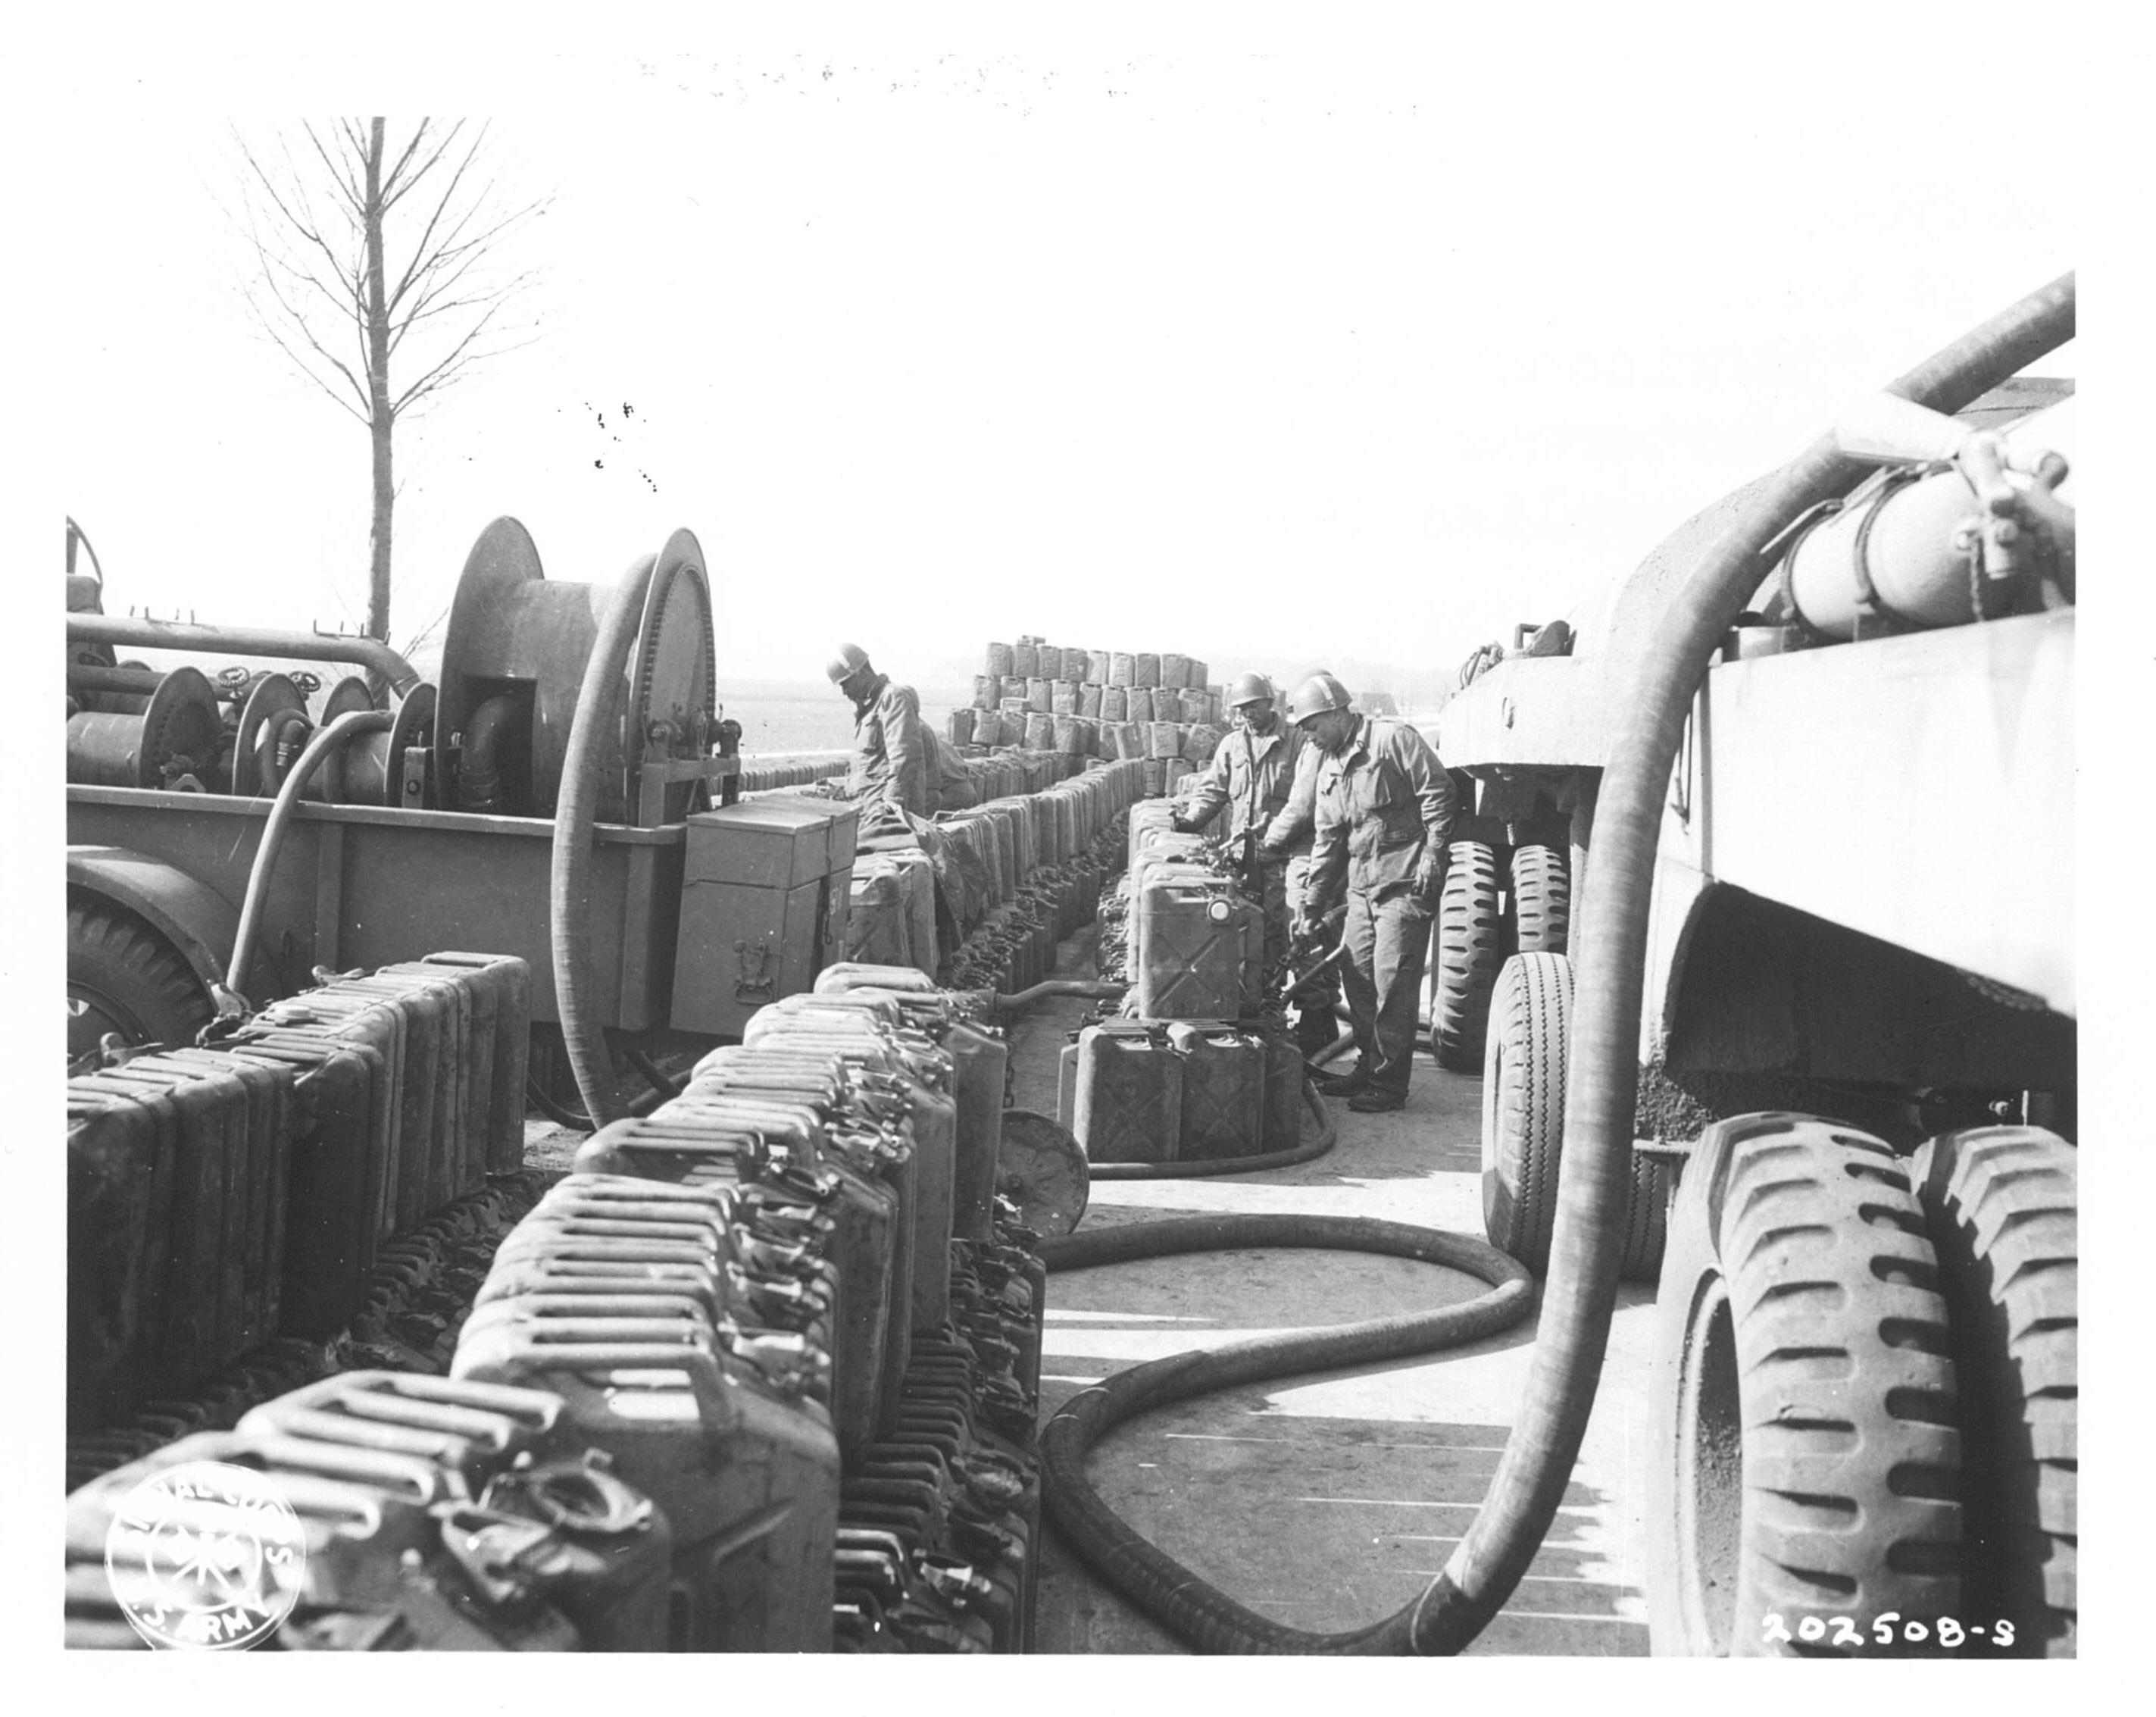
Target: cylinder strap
1786, 545
1868, 599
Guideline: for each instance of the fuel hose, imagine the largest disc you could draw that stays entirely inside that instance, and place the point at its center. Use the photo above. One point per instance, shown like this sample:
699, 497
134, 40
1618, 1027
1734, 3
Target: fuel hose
1200, 1613
1609, 955
597, 720
267, 851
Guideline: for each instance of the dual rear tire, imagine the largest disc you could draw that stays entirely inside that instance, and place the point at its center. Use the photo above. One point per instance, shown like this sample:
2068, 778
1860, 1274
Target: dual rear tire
1862, 1396
1475, 932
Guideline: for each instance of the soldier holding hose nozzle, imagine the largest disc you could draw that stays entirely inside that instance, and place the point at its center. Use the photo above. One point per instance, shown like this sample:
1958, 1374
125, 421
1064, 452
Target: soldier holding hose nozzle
1383, 815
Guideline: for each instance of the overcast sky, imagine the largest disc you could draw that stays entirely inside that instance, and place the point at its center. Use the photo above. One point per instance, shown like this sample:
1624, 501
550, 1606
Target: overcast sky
1366, 346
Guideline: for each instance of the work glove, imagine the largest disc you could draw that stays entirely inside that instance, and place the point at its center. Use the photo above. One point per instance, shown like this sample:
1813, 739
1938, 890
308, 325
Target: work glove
1429, 873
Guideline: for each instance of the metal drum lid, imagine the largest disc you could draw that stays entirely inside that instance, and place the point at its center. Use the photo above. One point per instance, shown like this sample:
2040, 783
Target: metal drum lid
1041, 1169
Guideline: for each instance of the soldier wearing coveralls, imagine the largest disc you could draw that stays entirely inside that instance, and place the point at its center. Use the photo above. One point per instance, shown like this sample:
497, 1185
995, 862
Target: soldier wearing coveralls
896, 759
1250, 774
1385, 815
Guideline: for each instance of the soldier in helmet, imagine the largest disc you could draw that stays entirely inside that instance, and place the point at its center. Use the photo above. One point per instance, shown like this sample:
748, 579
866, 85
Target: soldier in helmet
896, 760
1384, 813
1249, 775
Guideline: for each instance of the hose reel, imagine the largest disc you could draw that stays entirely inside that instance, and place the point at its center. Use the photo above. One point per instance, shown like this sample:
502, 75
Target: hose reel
384, 767
173, 743
512, 672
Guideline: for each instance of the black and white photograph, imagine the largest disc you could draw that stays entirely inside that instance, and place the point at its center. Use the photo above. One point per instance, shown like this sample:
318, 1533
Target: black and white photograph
1117, 833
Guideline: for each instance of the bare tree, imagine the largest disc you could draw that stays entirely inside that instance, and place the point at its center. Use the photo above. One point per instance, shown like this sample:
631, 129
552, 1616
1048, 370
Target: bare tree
369, 254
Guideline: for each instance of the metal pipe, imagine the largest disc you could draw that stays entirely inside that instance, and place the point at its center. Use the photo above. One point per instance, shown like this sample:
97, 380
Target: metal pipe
141, 633
486, 738
1097, 989
90, 677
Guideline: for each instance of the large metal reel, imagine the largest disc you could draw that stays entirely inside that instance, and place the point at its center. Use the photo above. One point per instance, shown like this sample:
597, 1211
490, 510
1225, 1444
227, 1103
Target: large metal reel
673, 683
513, 634
273, 716
180, 727
370, 770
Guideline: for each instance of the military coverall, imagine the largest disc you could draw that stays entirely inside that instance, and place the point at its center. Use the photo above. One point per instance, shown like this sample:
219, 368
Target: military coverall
1250, 774
890, 750
1380, 802
1289, 837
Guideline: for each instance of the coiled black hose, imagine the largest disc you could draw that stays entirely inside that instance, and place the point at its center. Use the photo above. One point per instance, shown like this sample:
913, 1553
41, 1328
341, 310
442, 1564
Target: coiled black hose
1208, 1618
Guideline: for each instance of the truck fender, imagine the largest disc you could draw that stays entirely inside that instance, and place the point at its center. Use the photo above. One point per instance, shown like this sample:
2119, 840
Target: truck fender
194, 918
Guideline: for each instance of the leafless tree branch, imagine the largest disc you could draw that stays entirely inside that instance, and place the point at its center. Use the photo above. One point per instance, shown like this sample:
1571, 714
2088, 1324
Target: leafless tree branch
389, 244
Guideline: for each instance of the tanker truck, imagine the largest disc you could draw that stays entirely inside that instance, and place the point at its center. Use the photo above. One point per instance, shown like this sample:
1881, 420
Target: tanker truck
1760, 931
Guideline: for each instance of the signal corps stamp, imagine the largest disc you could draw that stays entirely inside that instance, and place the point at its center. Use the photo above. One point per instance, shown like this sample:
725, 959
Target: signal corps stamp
206, 1557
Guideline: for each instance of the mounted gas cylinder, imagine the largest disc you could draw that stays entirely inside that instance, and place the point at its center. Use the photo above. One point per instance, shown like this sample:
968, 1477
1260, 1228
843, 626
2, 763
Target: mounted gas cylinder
513, 667
1965, 524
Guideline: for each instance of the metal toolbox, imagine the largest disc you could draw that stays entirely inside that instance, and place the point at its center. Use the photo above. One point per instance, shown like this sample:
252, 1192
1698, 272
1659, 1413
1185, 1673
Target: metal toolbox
770, 843
763, 907
743, 947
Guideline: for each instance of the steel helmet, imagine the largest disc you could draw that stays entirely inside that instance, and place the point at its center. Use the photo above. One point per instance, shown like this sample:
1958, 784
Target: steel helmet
850, 659
1249, 688
1316, 695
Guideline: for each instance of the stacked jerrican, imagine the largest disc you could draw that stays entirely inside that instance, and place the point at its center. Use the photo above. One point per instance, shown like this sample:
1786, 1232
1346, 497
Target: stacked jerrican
1082, 703
1195, 1065
789, 1306
425, 1514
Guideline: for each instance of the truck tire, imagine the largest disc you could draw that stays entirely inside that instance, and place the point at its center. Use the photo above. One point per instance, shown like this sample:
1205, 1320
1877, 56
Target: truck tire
2001, 1203
1541, 899
1523, 1104
1523, 1067
1470, 947
123, 976
1807, 1461
1647, 1218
